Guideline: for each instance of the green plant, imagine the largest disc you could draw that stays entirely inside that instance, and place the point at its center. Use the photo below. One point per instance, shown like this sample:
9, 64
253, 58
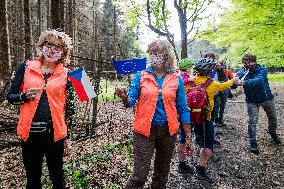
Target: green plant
80, 180
112, 186
79, 177
101, 156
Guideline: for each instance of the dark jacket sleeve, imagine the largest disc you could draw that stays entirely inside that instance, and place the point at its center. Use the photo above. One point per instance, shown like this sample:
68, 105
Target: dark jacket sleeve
258, 79
70, 107
14, 96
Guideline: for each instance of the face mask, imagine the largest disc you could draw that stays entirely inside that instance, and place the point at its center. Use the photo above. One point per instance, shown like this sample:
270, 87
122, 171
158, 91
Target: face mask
250, 67
51, 55
157, 61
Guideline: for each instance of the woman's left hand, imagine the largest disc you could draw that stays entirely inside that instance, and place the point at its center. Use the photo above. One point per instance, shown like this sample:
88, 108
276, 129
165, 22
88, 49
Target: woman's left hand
67, 147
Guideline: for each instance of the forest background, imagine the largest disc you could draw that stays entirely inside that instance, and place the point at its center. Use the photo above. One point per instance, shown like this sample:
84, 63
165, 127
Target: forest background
102, 29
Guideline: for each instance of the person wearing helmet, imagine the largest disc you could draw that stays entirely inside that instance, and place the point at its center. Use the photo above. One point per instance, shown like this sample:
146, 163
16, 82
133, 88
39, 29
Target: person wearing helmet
204, 133
185, 66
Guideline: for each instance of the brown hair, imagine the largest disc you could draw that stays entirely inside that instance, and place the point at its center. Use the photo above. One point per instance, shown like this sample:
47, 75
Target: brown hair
210, 55
249, 57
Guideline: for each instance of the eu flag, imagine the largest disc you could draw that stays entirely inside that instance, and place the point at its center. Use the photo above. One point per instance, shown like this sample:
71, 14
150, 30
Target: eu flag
129, 66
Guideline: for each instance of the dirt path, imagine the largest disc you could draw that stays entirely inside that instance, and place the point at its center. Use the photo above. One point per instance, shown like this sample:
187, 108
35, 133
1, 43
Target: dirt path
233, 166
106, 161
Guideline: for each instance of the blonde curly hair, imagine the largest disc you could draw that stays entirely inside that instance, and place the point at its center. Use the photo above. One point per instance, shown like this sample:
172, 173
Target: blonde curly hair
164, 47
58, 38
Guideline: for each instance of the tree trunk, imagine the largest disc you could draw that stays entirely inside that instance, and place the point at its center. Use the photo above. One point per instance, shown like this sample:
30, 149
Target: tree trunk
183, 29
39, 17
48, 22
95, 69
55, 18
183, 32
5, 59
21, 34
61, 15
72, 30
28, 30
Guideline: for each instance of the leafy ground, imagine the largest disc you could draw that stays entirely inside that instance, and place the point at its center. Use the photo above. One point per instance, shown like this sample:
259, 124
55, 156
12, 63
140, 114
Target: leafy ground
106, 160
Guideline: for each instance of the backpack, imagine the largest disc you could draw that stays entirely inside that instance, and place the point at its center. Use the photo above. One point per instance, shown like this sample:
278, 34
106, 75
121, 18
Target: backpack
197, 100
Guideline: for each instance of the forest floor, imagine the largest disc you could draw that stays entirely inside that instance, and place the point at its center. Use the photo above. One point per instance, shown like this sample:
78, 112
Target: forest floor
106, 160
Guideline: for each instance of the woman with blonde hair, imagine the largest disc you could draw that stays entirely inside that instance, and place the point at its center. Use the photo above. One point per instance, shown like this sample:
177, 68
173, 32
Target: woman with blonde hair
161, 106
46, 98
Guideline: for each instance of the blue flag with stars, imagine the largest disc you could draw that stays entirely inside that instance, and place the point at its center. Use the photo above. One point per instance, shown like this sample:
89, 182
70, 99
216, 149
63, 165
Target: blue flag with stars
129, 66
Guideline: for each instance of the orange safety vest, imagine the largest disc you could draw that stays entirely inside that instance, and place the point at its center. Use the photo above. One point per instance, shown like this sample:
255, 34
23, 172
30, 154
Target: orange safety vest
147, 102
56, 94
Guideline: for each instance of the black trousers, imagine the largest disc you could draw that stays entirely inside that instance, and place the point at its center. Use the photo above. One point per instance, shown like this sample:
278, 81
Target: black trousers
33, 150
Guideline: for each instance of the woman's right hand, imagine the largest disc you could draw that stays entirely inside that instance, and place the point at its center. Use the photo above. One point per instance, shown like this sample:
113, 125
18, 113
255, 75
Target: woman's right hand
121, 92
32, 93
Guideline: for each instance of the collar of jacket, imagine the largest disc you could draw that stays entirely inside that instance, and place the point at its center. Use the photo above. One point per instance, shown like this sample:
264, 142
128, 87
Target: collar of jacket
150, 70
36, 66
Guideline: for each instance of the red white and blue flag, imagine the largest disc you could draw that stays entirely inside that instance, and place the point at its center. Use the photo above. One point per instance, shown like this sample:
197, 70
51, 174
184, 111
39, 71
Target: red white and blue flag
82, 84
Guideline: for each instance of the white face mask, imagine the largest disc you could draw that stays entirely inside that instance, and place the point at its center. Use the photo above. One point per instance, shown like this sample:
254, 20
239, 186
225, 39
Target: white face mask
157, 61
51, 55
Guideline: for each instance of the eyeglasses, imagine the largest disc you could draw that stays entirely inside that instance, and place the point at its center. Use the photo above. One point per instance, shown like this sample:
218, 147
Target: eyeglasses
53, 46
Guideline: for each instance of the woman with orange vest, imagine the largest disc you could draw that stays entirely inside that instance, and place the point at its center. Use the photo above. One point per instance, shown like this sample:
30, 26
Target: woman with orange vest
161, 106
46, 100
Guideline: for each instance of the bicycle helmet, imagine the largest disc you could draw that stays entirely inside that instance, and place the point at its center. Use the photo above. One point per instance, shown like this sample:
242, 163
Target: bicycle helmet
204, 66
185, 63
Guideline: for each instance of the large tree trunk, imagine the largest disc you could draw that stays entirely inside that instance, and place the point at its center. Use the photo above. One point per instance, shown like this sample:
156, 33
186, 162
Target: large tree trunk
73, 30
55, 19
28, 30
5, 59
39, 17
183, 28
48, 22
61, 15
95, 69
183, 32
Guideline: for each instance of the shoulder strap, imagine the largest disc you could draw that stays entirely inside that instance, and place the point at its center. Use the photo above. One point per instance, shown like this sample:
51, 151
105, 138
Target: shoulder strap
207, 83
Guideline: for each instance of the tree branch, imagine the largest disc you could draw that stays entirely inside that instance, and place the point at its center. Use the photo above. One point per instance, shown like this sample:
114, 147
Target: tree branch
197, 11
190, 30
192, 38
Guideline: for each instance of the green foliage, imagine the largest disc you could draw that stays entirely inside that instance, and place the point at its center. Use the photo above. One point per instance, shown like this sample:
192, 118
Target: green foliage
254, 26
107, 92
277, 78
80, 180
79, 176
113, 186
160, 19
132, 16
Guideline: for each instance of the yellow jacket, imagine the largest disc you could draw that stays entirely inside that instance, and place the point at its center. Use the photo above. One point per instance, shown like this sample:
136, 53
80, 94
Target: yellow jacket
211, 89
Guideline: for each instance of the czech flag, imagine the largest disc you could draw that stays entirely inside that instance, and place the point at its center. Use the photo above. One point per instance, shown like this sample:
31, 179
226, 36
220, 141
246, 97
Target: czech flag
129, 65
82, 84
